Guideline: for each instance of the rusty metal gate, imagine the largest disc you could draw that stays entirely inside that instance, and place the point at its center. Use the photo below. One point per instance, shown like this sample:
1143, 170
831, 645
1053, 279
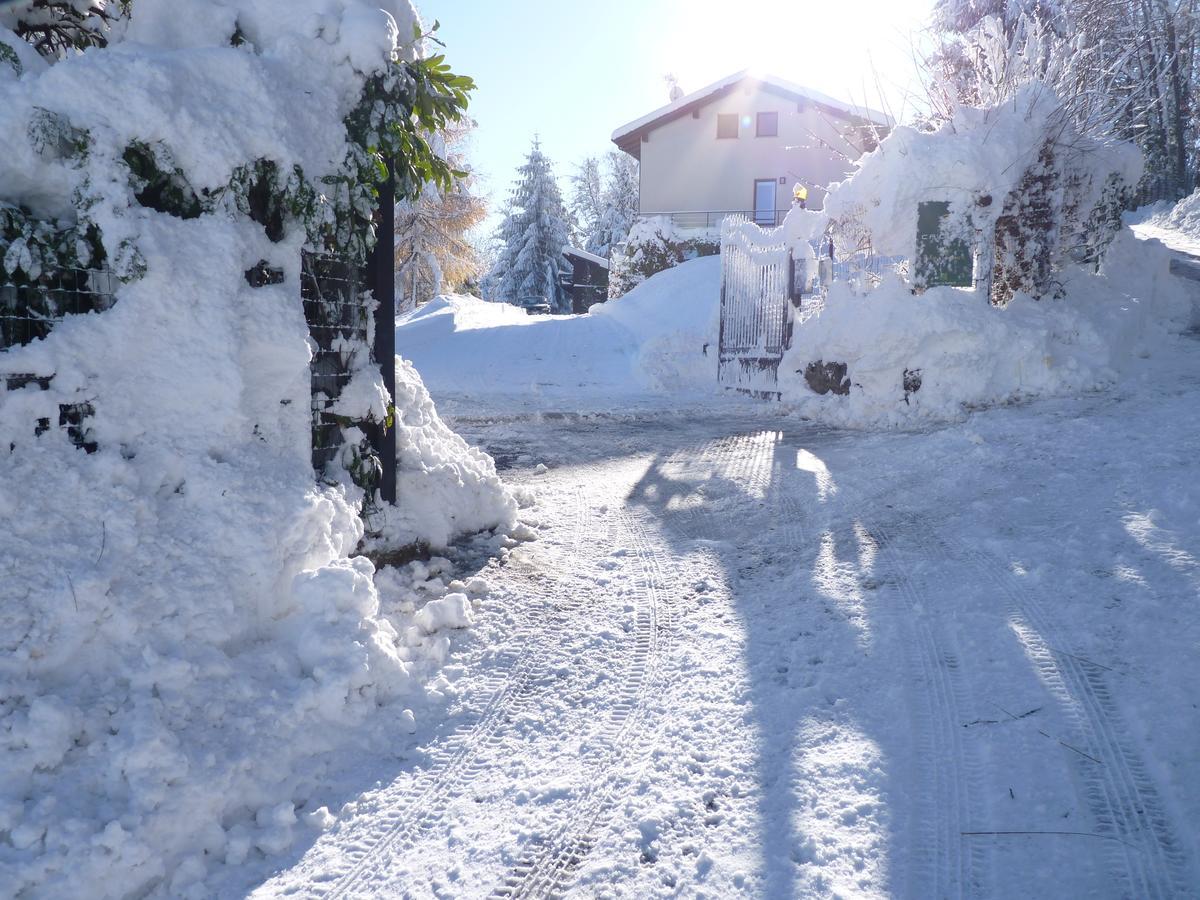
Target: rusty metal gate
756, 281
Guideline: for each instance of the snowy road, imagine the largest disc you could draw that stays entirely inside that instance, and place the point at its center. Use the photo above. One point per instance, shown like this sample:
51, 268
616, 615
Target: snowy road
750, 657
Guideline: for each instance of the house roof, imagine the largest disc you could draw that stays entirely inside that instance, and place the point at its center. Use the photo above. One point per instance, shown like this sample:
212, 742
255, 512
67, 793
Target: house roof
628, 137
583, 254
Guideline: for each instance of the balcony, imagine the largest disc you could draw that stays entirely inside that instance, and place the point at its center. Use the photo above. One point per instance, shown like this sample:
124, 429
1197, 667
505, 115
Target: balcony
710, 220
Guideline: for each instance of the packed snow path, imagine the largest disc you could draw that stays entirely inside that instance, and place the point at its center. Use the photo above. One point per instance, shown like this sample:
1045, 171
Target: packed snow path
753, 658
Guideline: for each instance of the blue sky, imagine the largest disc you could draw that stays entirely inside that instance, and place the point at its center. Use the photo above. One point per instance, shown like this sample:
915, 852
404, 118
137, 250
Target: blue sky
572, 72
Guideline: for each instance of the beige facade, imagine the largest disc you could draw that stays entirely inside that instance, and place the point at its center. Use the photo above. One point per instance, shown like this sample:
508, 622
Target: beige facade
687, 168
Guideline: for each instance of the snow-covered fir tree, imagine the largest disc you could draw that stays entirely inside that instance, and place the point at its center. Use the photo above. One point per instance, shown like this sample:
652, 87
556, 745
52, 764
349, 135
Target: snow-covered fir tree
587, 202
531, 264
621, 195
604, 201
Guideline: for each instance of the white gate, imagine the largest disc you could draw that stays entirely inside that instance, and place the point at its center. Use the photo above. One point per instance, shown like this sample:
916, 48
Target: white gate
756, 281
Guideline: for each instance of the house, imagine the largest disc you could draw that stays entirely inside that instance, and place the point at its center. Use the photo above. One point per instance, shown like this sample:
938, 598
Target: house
740, 145
589, 279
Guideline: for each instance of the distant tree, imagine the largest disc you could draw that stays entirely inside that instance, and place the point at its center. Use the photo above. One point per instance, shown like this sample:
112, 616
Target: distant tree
587, 202
604, 201
433, 252
1124, 69
532, 237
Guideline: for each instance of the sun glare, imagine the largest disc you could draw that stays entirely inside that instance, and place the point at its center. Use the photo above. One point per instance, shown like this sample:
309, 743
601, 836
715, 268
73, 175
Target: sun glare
815, 45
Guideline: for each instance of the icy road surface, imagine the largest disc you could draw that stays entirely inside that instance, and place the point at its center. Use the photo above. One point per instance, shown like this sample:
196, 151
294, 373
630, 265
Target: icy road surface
753, 658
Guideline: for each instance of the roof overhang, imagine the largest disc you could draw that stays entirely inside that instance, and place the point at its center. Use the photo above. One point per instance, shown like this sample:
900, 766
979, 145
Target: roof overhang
629, 137
584, 254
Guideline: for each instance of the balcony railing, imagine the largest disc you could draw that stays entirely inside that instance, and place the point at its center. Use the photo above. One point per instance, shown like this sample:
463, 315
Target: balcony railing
710, 220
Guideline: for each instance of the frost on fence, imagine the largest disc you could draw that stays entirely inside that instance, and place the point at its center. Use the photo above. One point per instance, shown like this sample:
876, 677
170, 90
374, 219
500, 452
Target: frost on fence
755, 297
339, 311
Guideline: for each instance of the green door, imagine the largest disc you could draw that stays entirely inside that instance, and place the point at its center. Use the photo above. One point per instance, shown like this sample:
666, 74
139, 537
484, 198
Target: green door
943, 252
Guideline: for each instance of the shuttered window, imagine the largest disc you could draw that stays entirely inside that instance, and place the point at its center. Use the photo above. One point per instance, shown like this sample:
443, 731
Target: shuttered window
768, 124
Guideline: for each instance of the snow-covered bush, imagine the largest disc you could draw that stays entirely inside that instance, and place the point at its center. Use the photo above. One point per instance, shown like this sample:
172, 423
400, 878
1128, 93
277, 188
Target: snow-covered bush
935, 356
653, 246
181, 630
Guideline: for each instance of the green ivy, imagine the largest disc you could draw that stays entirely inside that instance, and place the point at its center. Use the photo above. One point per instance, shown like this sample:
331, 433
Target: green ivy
31, 247
157, 182
9, 55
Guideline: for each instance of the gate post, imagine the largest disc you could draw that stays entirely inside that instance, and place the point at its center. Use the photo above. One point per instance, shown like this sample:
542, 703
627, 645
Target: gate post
381, 275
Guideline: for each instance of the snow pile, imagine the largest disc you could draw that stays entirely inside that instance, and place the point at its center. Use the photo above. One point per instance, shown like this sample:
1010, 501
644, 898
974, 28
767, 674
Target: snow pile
1176, 225
1051, 198
660, 337
184, 643
930, 357
444, 488
1183, 217
674, 317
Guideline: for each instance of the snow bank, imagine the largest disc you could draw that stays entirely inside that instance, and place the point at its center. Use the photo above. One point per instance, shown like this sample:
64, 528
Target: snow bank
652, 340
184, 642
674, 316
959, 352
1183, 217
978, 152
1175, 224
661, 340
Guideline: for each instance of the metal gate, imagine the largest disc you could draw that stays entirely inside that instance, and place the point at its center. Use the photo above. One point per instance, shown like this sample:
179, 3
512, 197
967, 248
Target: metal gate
755, 307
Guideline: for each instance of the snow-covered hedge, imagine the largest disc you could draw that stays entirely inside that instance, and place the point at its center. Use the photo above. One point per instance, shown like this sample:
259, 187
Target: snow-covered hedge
652, 246
182, 629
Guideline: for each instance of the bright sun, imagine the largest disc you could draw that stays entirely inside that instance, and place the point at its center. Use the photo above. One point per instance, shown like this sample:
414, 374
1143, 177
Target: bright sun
855, 58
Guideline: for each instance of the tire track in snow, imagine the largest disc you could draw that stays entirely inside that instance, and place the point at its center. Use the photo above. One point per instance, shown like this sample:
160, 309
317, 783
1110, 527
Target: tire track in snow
745, 460
952, 764
413, 808
547, 864
1119, 791
955, 772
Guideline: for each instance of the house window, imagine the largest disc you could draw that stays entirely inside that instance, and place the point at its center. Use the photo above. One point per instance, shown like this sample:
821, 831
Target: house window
768, 124
727, 125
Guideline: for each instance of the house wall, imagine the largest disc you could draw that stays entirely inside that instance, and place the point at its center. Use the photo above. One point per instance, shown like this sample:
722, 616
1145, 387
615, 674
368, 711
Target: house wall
686, 167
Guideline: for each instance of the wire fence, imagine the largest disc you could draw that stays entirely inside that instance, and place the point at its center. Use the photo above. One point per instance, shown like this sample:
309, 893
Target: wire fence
338, 308
30, 311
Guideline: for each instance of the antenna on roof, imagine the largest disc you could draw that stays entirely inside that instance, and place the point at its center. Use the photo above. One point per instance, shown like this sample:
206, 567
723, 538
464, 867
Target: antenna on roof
674, 91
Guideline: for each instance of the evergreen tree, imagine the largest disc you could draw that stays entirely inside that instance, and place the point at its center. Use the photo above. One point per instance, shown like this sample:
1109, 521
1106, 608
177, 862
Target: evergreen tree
432, 249
57, 28
604, 204
621, 196
532, 237
587, 203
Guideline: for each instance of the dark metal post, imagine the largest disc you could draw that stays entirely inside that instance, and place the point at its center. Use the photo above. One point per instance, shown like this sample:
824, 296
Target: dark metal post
381, 268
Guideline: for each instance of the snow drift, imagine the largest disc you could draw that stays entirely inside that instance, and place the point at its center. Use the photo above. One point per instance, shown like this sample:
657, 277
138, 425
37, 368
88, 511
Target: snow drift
444, 488
659, 338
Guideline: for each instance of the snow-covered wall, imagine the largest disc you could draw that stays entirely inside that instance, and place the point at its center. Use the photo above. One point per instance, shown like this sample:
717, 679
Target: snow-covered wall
181, 625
